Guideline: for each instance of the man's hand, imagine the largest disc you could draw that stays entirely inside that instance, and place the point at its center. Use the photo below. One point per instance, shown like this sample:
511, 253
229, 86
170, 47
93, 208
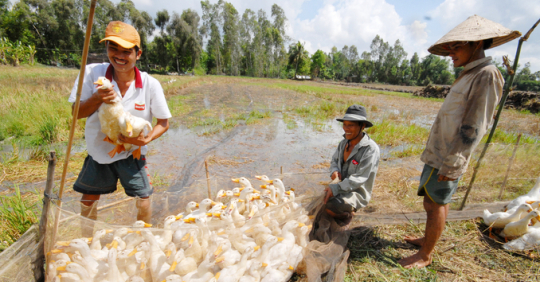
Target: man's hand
105, 95
444, 178
329, 194
336, 174
140, 140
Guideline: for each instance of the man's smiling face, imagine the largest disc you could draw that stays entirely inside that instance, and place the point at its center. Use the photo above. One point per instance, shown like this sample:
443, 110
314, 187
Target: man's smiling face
121, 58
352, 129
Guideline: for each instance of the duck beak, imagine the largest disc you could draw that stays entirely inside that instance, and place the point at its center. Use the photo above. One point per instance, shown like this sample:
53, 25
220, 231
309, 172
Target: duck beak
264, 264
187, 220
235, 180
301, 224
236, 194
529, 202
132, 252
214, 203
218, 251
185, 237
538, 218
63, 243
292, 189
311, 217
61, 268
288, 193
270, 182
168, 253
256, 248
221, 233
263, 186
290, 267
142, 265
129, 128
114, 244
172, 268
249, 230
224, 207
99, 82
217, 275
241, 189
220, 259
258, 177
256, 191
56, 251
191, 239
178, 217
108, 231
216, 214
280, 239
147, 225
197, 204
209, 214
251, 213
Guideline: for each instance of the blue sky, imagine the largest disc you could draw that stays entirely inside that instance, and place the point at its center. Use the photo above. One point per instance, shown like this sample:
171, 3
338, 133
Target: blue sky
322, 24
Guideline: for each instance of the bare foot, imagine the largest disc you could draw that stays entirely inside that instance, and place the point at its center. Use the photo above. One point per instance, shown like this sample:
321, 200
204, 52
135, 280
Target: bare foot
415, 260
414, 240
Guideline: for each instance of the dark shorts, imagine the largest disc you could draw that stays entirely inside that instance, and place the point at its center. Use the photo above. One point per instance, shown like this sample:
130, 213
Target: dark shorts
338, 206
439, 192
97, 179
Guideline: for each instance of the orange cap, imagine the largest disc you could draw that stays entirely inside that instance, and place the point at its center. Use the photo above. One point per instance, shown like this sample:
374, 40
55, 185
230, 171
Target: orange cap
122, 34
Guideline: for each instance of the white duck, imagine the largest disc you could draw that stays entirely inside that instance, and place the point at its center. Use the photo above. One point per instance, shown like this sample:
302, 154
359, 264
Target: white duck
282, 273
532, 196
75, 268
113, 274
529, 241
167, 235
284, 247
234, 272
254, 274
115, 120
225, 256
520, 227
501, 219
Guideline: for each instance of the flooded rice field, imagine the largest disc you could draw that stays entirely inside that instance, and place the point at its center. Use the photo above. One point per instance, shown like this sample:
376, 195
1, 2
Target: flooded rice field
248, 127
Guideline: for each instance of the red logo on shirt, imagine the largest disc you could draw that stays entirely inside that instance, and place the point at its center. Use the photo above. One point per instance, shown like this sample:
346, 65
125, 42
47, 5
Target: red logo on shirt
139, 106
354, 162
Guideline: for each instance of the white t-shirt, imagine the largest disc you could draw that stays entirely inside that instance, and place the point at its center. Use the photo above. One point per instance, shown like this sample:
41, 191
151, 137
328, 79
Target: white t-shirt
144, 99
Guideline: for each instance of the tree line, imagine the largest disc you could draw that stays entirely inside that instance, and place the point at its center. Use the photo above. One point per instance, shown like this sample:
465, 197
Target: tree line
221, 41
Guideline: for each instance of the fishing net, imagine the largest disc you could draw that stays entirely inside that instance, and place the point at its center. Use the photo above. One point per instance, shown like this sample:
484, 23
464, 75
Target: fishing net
116, 214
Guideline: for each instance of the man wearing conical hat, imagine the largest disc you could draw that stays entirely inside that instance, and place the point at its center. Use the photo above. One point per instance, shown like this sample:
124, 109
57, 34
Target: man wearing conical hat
461, 123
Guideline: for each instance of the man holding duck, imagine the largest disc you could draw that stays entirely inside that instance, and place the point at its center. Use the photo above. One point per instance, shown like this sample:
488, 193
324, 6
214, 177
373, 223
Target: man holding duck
142, 96
461, 123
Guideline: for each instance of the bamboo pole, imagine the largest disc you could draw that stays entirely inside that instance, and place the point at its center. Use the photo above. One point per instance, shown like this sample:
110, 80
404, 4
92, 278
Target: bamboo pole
509, 166
501, 106
75, 113
208, 179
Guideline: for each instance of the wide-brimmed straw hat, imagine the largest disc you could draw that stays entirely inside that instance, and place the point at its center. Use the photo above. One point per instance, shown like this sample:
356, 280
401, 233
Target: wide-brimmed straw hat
475, 28
356, 113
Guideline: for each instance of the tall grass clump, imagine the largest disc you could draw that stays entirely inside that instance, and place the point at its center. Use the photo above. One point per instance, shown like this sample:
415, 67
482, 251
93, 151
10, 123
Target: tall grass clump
389, 133
35, 107
17, 214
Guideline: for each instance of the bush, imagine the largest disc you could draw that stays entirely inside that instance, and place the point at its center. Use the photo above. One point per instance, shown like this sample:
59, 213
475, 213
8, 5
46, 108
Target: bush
528, 85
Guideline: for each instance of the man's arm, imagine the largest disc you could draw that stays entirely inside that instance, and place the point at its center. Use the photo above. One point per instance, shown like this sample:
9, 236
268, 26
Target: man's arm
334, 168
484, 96
91, 105
363, 178
161, 127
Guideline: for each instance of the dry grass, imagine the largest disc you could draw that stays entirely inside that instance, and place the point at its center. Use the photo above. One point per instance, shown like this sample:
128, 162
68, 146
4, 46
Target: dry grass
462, 254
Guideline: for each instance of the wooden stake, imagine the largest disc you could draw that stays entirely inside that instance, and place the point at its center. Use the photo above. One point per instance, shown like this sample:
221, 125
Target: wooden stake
281, 170
501, 106
208, 179
509, 166
45, 213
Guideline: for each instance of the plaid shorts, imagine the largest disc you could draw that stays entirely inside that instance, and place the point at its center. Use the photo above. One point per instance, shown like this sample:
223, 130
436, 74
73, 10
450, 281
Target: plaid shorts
97, 179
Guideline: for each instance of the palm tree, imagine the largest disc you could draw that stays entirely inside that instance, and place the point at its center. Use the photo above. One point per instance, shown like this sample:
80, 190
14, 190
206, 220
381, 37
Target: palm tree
296, 55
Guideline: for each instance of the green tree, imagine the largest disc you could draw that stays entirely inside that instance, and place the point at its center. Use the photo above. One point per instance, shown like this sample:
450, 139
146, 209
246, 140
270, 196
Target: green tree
317, 63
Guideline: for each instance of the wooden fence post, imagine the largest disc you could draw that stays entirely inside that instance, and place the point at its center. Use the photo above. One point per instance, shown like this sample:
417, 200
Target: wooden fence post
208, 179
509, 166
47, 195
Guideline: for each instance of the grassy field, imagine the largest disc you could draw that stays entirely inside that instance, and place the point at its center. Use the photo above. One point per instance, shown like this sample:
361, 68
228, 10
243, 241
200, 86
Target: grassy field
36, 118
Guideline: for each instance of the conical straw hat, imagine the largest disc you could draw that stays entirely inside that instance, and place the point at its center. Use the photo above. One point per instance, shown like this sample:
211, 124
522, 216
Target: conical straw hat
475, 28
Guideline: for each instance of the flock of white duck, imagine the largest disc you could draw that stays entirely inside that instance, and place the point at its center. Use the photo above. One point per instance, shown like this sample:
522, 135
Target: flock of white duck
520, 222
237, 237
